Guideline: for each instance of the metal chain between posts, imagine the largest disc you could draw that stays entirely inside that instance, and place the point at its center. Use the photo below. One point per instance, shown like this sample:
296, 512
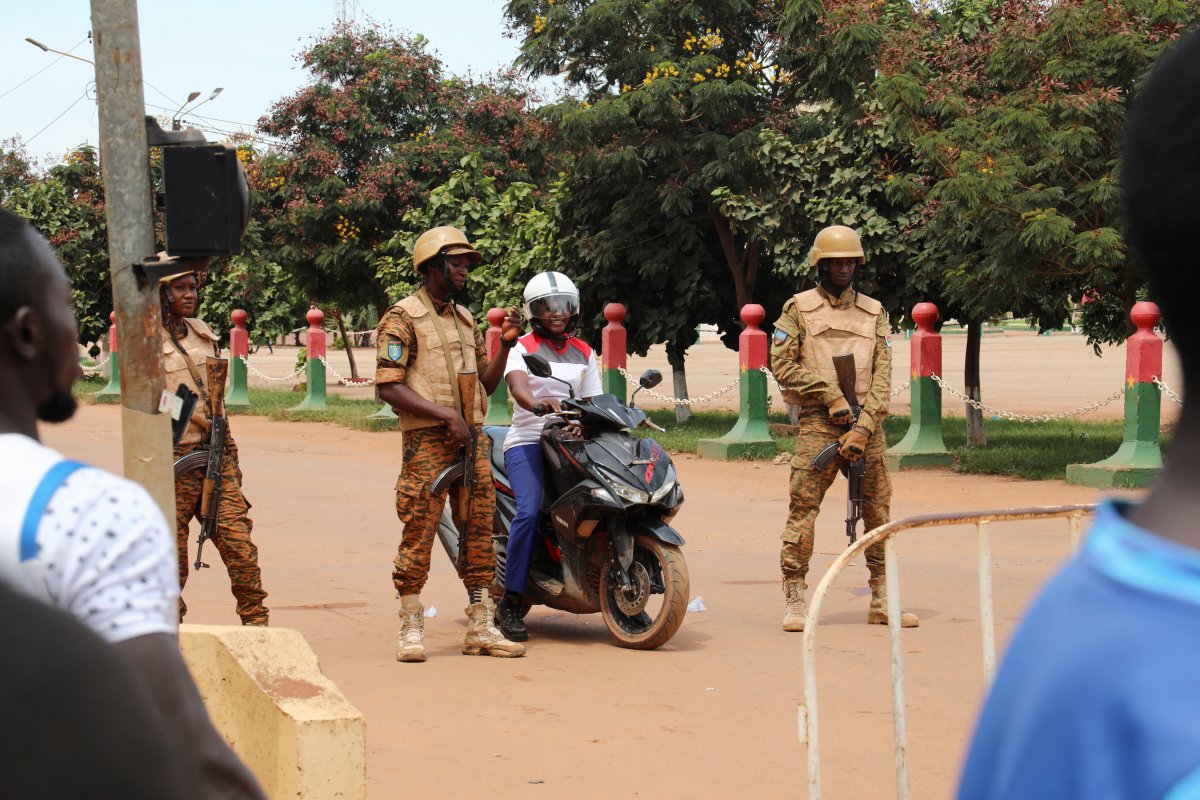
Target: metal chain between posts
681, 401
897, 391
978, 406
99, 365
1167, 390
266, 377
346, 381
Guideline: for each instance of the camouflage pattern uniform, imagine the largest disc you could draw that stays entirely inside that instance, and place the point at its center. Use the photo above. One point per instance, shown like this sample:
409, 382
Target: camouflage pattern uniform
808, 484
426, 453
232, 538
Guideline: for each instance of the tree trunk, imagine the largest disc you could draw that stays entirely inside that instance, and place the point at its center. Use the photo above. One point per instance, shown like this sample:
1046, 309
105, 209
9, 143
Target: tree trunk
346, 343
683, 413
976, 436
741, 258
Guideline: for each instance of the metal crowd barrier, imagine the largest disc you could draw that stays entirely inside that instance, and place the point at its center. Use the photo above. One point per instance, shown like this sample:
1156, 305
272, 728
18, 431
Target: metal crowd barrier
808, 716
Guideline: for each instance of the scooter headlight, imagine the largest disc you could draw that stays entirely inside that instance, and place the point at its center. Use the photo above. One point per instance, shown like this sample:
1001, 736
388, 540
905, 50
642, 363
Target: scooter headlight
663, 490
629, 493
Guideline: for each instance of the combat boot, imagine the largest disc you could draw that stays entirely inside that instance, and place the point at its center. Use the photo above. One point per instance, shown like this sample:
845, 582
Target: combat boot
484, 638
510, 619
877, 615
796, 609
411, 645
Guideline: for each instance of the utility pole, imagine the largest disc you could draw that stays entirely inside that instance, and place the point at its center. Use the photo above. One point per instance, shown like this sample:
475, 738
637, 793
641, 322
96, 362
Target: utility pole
145, 431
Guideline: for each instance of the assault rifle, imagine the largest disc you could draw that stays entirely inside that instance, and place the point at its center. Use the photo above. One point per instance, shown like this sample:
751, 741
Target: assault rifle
855, 470
467, 383
210, 454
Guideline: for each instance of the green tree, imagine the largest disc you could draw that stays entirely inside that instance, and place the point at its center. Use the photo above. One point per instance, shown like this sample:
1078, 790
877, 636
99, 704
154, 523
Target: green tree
1014, 111
377, 128
673, 98
67, 206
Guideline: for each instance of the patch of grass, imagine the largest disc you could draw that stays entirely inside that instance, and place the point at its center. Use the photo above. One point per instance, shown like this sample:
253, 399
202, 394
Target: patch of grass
1029, 450
274, 404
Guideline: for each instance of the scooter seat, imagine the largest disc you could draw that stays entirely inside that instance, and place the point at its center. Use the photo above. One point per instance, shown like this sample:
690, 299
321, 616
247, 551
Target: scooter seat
497, 434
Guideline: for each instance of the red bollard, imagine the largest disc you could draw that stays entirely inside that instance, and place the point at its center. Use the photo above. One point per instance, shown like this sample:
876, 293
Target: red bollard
613, 350
314, 395
111, 393
922, 446
750, 434
1138, 460
497, 413
237, 396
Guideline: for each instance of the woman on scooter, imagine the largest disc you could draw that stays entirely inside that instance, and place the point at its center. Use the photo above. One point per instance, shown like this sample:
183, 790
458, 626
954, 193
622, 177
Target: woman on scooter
552, 306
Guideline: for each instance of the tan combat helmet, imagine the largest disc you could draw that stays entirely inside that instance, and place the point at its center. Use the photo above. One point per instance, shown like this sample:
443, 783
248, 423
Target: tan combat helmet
837, 241
443, 240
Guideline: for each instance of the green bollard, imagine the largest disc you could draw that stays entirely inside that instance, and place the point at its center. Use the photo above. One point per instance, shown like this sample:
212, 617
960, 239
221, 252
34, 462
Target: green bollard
237, 396
497, 413
111, 393
751, 434
612, 356
922, 445
314, 393
1138, 460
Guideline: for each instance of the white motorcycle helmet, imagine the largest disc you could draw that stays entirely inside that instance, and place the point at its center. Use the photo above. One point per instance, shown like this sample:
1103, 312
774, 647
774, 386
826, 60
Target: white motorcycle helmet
548, 293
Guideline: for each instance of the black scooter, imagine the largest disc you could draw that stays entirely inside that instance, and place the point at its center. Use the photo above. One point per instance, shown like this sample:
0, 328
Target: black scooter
605, 542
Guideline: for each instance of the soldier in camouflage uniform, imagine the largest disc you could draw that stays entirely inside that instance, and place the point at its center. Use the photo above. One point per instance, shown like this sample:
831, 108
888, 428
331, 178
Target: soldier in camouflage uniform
186, 343
816, 325
424, 342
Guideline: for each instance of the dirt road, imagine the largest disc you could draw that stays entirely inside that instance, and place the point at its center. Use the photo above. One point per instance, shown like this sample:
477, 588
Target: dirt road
712, 714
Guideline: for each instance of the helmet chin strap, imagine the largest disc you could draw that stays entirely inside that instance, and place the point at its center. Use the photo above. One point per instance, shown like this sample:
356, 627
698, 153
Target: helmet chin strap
456, 295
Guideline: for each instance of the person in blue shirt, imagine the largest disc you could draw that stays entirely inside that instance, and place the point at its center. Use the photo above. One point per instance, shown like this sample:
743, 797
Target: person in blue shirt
1098, 696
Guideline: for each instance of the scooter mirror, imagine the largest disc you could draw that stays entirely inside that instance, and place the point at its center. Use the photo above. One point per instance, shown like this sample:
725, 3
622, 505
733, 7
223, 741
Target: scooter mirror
650, 378
538, 366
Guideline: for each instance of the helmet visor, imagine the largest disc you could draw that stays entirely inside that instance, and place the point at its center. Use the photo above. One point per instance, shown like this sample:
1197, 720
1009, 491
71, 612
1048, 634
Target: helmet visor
554, 305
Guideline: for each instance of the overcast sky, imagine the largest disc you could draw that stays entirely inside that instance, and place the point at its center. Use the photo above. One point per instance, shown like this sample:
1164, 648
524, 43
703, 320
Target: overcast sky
247, 47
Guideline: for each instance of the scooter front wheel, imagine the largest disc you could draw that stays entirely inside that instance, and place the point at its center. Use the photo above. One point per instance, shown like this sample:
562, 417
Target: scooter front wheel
650, 611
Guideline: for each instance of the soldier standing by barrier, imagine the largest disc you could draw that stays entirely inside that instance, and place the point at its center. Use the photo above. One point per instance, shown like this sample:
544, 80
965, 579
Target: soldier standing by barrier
186, 343
830, 320
425, 344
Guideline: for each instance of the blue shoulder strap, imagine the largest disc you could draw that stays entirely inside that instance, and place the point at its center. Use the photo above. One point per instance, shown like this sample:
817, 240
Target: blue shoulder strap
50, 482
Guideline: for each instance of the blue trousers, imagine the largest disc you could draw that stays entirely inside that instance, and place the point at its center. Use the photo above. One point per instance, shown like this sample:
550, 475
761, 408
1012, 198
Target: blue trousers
524, 466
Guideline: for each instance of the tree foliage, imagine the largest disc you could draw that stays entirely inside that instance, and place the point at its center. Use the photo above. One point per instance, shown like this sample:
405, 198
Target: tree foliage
66, 205
673, 97
1014, 111
377, 128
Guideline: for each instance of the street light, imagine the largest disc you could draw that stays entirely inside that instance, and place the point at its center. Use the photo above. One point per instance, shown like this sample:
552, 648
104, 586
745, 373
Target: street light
175, 117
36, 43
191, 97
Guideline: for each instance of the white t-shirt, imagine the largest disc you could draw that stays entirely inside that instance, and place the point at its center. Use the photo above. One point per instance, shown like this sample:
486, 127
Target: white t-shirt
575, 363
100, 549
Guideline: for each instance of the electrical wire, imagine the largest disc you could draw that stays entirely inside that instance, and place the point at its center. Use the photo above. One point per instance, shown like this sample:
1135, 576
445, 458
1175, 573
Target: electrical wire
43, 69
56, 119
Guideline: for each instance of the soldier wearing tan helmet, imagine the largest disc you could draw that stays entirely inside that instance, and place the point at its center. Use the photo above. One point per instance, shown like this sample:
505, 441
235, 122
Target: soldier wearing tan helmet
186, 343
425, 342
829, 320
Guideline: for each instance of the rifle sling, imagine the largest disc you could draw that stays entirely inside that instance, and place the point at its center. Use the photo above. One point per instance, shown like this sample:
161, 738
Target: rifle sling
452, 373
191, 367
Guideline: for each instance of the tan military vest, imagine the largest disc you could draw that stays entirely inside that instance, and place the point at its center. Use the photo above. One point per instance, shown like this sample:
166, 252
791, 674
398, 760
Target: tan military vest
427, 375
835, 332
199, 344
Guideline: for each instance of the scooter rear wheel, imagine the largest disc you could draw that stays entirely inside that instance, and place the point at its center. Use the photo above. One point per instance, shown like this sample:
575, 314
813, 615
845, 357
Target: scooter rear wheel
649, 614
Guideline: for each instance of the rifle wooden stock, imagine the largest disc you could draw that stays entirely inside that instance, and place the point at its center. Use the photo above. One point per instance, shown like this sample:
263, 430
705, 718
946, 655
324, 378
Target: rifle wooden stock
216, 374
846, 375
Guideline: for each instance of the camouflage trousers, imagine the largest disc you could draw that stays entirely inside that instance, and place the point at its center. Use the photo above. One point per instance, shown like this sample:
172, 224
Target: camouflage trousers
232, 537
425, 455
808, 487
